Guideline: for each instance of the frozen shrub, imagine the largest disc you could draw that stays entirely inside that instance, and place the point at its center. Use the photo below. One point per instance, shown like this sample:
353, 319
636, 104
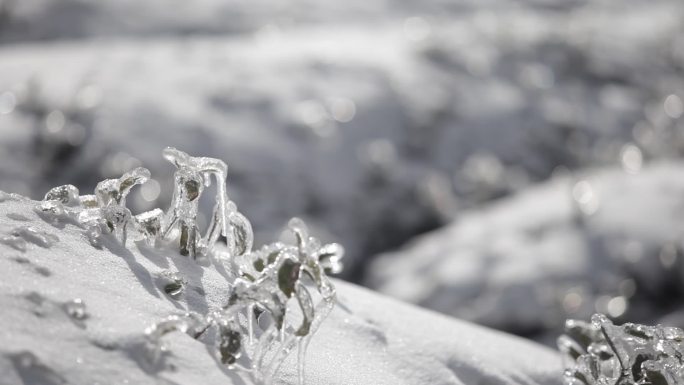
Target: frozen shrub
279, 294
254, 331
601, 353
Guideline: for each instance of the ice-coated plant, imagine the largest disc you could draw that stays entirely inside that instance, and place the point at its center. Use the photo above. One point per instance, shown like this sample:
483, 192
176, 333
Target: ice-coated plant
105, 211
270, 309
270, 279
279, 294
191, 177
601, 353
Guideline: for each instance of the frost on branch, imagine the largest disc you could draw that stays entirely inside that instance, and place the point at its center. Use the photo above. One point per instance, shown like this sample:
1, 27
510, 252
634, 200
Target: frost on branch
277, 297
601, 353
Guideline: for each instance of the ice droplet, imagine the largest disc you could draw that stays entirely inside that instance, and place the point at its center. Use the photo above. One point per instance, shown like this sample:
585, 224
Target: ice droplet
172, 283
66, 195
76, 309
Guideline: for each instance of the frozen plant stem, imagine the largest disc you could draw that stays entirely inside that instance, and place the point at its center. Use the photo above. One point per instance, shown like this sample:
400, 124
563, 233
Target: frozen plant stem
191, 177
269, 283
601, 353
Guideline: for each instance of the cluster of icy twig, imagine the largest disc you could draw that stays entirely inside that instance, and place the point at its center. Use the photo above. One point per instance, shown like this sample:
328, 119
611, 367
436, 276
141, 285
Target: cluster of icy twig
259, 325
601, 353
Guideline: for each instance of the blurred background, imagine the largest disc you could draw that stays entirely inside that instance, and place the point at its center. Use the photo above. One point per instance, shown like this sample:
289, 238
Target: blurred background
511, 163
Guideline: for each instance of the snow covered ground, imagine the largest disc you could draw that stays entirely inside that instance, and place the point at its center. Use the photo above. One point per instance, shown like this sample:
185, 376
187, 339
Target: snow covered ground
49, 339
599, 241
376, 121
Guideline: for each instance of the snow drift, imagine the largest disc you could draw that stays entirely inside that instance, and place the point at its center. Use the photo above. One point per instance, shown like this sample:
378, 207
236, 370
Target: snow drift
73, 313
601, 240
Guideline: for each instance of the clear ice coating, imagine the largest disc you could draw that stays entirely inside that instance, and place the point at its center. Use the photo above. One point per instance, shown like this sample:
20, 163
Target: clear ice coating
113, 192
193, 174
190, 323
172, 283
66, 195
601, 353
256, 330
148, 225
76, 309
275, 304
104, 211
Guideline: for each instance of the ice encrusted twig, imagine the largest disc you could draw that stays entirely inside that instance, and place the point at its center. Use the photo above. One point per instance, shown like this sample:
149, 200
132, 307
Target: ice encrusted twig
601, 353
104, 211
191, 177
270, 308
254, 331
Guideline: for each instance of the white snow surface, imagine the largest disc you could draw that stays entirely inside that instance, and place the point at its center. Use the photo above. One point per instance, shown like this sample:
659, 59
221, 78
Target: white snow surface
368, 338
528, 262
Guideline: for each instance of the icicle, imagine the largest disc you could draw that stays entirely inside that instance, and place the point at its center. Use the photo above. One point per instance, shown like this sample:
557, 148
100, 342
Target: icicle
66, 195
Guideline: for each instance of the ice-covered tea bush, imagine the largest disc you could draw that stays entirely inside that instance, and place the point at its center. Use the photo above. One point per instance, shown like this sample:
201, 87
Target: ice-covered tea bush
601, 353
278, 294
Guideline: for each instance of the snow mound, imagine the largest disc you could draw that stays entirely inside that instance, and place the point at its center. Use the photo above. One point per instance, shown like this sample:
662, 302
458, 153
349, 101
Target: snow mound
601, 241
76, 314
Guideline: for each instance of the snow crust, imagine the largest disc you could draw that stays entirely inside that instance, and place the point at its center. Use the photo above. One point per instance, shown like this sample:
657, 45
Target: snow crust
46, 337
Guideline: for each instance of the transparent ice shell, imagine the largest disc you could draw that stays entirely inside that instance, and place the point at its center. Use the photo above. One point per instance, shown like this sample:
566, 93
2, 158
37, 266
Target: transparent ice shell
280, 293
601, 353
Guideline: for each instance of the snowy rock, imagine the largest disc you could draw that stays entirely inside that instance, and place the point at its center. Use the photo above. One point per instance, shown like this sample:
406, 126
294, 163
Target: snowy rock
603, 240
73, 313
